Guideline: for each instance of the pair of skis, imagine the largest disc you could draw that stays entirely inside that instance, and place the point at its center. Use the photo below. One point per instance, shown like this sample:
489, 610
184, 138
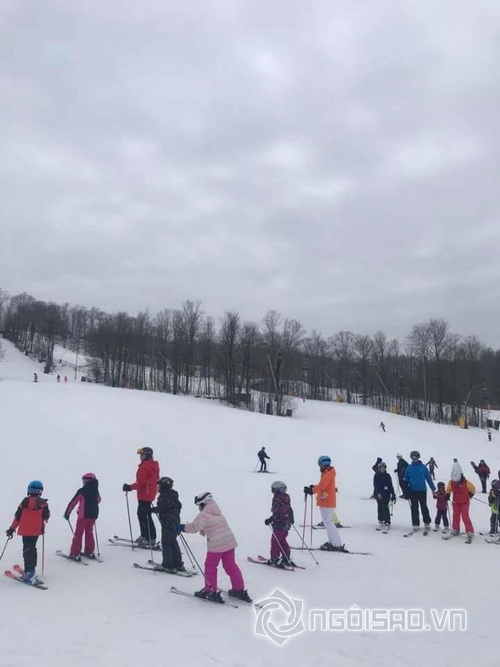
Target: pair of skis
126, 542
425, 532
226, 603
261, 560
156, 567
347, 551
83, 558
17, 574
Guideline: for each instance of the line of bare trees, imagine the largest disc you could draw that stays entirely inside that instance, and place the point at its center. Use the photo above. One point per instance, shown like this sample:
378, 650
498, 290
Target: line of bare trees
432, 374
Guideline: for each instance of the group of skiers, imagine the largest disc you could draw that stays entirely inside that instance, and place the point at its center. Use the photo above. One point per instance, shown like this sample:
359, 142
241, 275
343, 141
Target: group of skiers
413, 480
33, 513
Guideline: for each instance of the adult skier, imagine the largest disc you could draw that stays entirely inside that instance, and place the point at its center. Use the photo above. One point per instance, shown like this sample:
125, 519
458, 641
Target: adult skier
146, 479
400, 471
262, 458
432, 465
326, 500
417, 476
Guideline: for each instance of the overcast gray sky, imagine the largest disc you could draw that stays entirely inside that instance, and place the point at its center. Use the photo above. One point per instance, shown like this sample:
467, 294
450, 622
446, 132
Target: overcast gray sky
337, 161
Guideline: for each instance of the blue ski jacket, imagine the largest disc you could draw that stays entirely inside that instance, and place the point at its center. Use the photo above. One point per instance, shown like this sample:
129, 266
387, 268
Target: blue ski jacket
416, 475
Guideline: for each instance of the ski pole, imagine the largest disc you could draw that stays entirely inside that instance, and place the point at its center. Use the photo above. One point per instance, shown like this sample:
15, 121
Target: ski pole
5, 547
189, 556
305, 517
69, 524
312, 519
97, 541
43, 551
479, 501
129, 521
305, 545
149, 519
188, 549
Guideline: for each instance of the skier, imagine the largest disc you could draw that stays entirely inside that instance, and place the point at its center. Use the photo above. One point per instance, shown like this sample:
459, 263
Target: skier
382, 426
494, 503
442, 499
326, 500
35, 377
489, 435
87, 498
59, 378
281, 520
221, 545
30, 518
383, 491
400, 471
168, 508
416, 476
146, 479
376, 464
483, 472
65, 379
461, 491
432, 465
262, 458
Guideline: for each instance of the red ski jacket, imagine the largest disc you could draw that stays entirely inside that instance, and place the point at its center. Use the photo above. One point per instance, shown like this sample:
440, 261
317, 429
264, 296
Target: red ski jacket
30, 516
146, 478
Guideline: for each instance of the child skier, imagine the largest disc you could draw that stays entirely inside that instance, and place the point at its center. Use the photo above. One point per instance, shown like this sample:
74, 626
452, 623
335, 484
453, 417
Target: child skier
432, 465
483, 472
442, 499
280, 520
462, 491
87, 499
220, 547
383, 490
168, 508
30, 519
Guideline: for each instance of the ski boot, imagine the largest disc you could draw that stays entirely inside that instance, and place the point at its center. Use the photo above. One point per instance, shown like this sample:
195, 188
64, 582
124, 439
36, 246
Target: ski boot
29, 576
286, 562
239, 595
75, 558
274, 562
341, 549
327, 547
213, 596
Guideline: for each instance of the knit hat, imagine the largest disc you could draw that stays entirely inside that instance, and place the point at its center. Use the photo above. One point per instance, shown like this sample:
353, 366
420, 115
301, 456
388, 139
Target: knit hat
456, 471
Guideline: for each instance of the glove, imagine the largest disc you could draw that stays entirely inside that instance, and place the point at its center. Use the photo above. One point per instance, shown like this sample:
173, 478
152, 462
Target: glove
308, 490
447, 496
471, 495
154, 509
10, 533
66, 517
267, 521
393, 499
126, 487
178, 528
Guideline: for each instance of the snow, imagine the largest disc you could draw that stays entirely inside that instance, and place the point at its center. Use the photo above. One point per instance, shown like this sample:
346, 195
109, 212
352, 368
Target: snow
111, 614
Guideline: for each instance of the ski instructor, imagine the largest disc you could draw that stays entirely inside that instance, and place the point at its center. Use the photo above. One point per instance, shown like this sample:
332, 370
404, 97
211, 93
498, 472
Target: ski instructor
416, 476
146, 479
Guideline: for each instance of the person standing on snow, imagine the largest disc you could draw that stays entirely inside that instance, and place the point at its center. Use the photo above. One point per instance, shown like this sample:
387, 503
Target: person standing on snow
87, 498
280, 520
416, 476
29, 520
400, 471
326, 500
442, 499
168, 508
262, 458
383, 490
221, 545
483, 471
146, 479
461, 491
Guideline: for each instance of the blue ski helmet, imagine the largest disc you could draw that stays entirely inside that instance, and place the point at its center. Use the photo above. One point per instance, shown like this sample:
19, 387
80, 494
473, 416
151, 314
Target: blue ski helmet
35, 488
324, 461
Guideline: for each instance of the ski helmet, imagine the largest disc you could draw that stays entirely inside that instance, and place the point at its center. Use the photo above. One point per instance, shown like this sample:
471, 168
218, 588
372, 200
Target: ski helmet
278, 486
399, 456
87, 476
203, 498
165, 483
147, 452
324, 461
382, 464
414, 454
35, 488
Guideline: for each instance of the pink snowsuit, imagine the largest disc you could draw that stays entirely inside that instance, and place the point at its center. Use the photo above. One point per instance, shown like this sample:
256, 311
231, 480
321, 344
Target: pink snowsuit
220, 546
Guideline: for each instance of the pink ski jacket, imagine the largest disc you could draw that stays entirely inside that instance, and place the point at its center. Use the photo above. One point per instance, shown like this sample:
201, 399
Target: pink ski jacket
211, 523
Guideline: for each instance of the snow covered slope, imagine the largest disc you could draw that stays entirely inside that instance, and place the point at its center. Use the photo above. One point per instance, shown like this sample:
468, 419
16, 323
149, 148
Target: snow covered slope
111, 614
